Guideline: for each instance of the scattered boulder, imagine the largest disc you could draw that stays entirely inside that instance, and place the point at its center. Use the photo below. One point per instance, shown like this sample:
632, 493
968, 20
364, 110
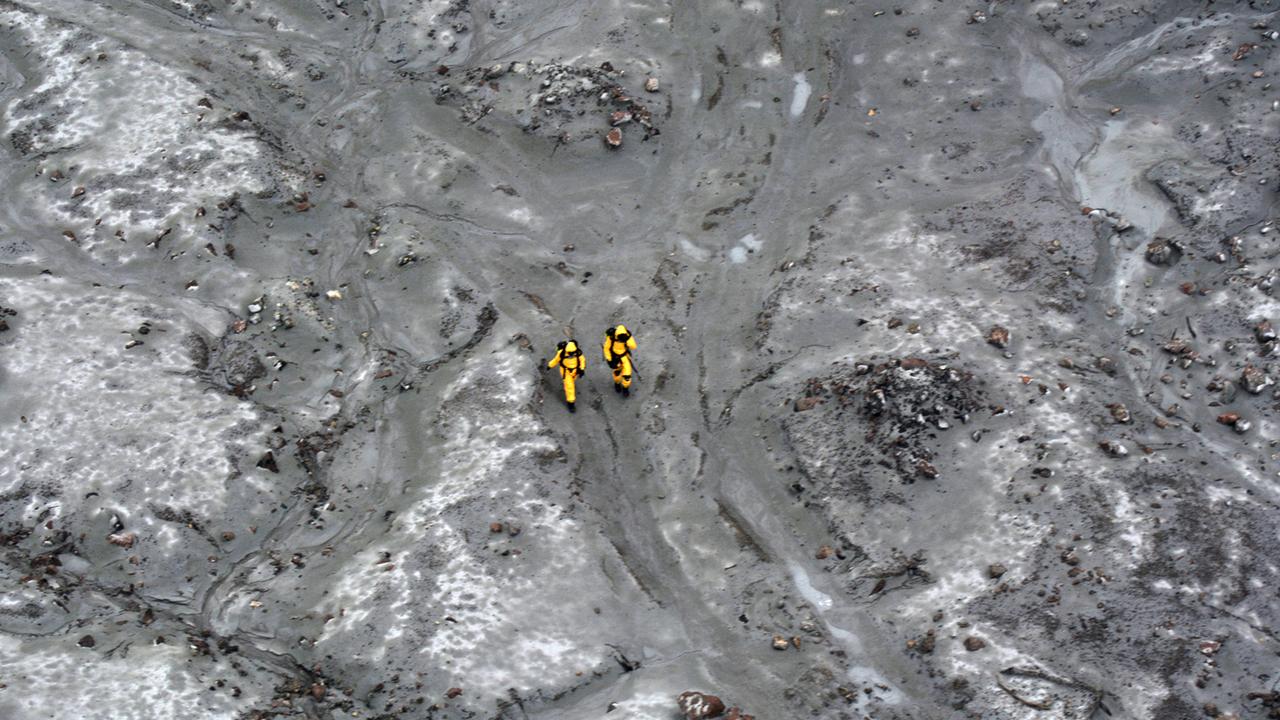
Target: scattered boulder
87, 641
998, 336
996, 570
1254, 379
974, 644
1264, 332
1113, 448
453, 692
1235, 421
124, 540
1120, 413
613, 138
1163, 251
696, 705
780, 642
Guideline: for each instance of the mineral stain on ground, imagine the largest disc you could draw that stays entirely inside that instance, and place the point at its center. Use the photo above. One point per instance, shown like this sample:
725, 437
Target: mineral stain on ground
955, 385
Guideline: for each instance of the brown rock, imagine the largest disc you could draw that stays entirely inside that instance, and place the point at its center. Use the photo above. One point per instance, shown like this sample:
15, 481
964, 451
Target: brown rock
735, 713
912, 363
807, 403
925, 645
1229, 418
453, 692
619, 117
1264, 332
824, 552
1070, 557
996, 570
998, 336
613, 138
651, 84
1120, 413
696, 705
228, 536
495, 527
317, 691
974, 644
780, 642
124, 540
926, 470
1254, 379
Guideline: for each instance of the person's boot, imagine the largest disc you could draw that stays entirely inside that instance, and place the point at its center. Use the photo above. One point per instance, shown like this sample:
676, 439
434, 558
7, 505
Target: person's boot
617, 388
572, 407
626, 392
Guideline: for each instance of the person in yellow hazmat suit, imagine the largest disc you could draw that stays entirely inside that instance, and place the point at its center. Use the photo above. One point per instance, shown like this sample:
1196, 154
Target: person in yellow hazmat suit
618, 344
570, 360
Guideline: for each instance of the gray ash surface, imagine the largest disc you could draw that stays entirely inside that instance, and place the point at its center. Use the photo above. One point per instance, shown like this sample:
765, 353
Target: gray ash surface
956, 374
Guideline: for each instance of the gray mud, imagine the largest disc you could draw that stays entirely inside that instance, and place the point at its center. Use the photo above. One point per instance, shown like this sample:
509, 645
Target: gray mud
955, 384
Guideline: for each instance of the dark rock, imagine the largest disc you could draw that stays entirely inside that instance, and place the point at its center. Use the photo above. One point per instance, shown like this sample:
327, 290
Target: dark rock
974, 644
1120, 413
268, 462
453, 692
87, 641
996, 570
696, 705
1264, 332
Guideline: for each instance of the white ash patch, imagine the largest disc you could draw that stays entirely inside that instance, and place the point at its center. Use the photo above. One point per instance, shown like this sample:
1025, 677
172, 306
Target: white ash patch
491, 621
146, 682
105, 408
127, 129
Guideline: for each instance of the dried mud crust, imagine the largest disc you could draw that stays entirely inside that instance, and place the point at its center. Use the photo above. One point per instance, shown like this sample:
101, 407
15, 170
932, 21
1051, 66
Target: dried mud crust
890, 413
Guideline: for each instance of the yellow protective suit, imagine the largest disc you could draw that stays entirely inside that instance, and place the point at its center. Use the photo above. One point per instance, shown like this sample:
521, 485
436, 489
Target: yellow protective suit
618, 344
570, 360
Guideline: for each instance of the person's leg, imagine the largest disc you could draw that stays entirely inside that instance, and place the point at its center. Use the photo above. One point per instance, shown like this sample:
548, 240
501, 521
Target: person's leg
570, 392
617, 377
624, 376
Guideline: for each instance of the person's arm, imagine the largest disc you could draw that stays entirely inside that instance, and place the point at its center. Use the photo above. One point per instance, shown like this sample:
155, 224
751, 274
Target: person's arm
608, 357
631, 342
554, 361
